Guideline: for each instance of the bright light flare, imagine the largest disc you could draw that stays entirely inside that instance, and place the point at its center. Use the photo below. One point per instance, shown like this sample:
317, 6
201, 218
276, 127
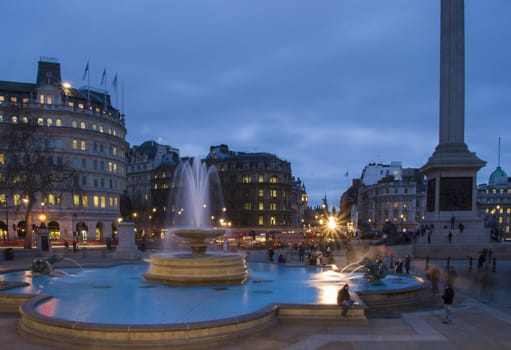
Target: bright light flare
332, 225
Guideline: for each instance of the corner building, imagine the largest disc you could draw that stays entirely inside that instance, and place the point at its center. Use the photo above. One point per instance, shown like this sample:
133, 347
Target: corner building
84, 128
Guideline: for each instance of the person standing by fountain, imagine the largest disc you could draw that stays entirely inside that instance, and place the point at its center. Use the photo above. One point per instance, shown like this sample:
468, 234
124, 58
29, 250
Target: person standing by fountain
344, 300
448, 298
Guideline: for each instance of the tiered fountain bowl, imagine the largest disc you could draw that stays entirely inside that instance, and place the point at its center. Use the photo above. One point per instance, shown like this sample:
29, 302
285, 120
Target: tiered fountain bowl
198, 268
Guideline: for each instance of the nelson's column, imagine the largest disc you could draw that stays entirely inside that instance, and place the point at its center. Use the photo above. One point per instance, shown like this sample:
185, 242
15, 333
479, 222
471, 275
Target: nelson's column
451, 170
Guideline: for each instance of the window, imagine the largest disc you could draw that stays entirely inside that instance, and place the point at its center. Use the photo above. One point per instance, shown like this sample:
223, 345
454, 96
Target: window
273, 193
84, 181
246, 179
74, 124
82, 125
260, 220
83, 145
260, 178
95, 200
261, 205
274, 179
58, 122
74, 144
261, 192
2, 159
85, 200
84, 163
76, 200
247, 206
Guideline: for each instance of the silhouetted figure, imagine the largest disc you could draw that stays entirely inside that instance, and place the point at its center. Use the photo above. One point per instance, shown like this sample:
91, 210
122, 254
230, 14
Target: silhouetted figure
407, 263
75, 244
448, 298
344, 300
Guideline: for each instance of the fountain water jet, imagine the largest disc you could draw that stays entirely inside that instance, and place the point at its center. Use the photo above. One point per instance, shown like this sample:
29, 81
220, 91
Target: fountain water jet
197, 193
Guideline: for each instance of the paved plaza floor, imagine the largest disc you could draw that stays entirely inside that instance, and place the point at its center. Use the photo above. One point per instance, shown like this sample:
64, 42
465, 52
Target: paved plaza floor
481, 319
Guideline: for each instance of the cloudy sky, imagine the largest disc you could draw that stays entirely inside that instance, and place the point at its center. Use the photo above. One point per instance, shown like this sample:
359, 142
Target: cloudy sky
327, 85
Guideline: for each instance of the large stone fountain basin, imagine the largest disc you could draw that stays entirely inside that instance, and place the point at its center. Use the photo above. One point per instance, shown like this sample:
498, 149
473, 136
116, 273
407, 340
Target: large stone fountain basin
184, 269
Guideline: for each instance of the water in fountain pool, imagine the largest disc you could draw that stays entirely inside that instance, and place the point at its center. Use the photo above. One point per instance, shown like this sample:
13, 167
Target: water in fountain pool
119, 295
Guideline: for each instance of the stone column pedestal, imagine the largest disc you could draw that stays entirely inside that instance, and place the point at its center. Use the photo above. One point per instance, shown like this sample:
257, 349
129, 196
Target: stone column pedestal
126, 248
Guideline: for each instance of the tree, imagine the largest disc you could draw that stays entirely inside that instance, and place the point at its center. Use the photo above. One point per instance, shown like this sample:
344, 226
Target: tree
34, 165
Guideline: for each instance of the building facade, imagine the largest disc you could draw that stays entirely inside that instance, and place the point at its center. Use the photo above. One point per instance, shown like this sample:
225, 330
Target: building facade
494, 204
393, 194
259, 191
85, 131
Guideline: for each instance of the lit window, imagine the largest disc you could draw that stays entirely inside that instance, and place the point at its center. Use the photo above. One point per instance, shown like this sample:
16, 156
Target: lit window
96, 201
25, 100
2, 99
85, 200
83, 145
260, 221
80, 105
74, 124
82, 125
273, 220
103, 201
261, 205
24, 120
49, 100
74, 144
14, 119
71, 104
14, 99
101, 128
261, 192
273, 193
49, 122
2, 159
246, 179
40, 121
247, 206
58, 122
274, 179
76, 200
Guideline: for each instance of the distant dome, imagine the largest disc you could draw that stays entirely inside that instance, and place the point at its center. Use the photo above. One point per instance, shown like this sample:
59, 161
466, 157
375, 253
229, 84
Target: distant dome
498, 176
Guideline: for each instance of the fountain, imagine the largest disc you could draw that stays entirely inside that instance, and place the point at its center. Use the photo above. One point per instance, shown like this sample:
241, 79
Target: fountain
197, 192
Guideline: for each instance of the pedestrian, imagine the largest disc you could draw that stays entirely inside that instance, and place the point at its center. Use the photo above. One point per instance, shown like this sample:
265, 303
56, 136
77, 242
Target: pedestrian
399, 266
449, 236
344, 299
407, 263
74, 245
270, 254
301, 252
448, 298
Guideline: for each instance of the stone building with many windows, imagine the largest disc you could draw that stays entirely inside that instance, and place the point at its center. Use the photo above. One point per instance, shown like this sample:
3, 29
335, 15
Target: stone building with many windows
259, 191
494, 204
79, 127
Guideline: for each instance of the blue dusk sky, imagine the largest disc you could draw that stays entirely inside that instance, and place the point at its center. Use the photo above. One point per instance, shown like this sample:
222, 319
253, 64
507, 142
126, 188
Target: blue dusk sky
329, 86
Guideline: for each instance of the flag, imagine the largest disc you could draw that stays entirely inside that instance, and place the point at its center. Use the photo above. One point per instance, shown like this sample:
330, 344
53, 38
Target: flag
103, 77
114, 82
85, 71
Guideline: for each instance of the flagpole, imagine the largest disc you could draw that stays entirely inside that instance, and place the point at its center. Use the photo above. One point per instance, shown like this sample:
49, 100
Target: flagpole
122, 97
88, 84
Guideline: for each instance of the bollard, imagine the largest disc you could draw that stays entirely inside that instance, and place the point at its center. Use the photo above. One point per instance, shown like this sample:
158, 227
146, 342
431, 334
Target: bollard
427, 263
494, 265
469, 264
